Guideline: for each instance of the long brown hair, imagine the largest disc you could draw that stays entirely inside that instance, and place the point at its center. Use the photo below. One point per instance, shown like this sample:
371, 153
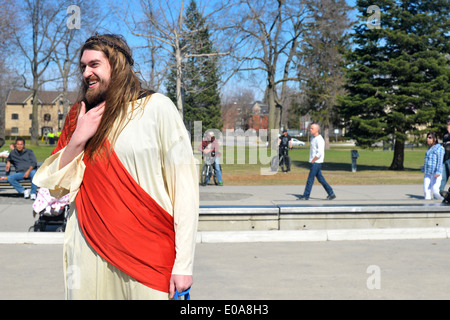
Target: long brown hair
434, 137
124, 88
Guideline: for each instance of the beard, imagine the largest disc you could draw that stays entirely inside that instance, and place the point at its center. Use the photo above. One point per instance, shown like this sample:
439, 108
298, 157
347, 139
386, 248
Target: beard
95, 96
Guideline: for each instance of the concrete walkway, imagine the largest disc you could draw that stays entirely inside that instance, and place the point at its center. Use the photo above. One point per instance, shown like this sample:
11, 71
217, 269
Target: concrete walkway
386, 269
258, 267
346, 194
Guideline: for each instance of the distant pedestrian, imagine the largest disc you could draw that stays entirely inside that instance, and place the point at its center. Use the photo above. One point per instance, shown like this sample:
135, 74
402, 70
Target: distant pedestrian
446, 167
210, 146
433, 167
51, 137
316, 157
284, 144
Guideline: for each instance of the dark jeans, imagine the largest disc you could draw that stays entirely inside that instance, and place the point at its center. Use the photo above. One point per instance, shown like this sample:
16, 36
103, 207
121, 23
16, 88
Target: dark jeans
315, 171
283, 151
445, 174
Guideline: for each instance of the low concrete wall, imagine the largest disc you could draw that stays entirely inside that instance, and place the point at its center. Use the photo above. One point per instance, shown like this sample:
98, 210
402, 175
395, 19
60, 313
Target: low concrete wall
238, 218
288, 217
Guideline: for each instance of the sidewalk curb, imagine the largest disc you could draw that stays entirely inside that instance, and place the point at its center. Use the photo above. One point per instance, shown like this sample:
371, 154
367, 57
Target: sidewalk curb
31, 237
262, 236
323, 235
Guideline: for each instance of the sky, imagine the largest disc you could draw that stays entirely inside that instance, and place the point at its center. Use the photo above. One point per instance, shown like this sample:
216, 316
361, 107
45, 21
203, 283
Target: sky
115, 25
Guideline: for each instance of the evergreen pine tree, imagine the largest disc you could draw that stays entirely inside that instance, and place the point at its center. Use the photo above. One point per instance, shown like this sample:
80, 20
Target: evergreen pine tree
398, 73
201, 74
321, 69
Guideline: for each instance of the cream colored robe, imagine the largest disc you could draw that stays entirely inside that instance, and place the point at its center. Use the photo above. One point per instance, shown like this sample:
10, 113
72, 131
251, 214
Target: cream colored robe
155, 149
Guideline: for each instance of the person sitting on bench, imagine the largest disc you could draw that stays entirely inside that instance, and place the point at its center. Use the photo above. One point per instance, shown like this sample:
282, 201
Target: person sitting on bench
25, 163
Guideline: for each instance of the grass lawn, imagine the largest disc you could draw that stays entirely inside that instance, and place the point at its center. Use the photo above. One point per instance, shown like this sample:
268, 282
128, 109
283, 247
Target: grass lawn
372, 166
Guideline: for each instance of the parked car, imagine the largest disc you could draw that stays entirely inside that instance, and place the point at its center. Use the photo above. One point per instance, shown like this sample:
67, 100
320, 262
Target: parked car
297, 143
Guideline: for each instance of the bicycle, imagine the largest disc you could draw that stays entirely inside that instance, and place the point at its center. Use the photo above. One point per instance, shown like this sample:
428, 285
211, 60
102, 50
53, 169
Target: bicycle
208, 171
282, 160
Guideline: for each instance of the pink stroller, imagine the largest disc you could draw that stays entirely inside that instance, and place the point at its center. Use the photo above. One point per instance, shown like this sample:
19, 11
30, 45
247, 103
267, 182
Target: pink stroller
52, 212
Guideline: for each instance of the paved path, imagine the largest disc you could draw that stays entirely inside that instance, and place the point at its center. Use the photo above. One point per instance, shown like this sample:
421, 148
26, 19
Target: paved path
346, 194
412, 269
385, 269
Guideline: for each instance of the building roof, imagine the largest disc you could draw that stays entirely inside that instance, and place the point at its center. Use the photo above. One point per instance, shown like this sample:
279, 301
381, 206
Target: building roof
259, 107
44, 97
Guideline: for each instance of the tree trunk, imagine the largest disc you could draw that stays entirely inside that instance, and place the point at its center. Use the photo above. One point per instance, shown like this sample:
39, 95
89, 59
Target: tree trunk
180, 90
399, 156
66, 106
35, 116
272, 113
326, 136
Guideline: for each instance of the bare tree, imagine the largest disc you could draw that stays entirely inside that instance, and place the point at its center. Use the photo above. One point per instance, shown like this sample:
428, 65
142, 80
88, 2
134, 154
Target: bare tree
153, 76
86, 18
322, 62
46, 25
163, 25
8, 14
273, 30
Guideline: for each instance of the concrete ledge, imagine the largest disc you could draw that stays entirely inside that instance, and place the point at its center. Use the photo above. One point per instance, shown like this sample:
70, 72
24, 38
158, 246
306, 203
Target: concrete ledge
31, 237
367, 208
323, 235
323, 217
261, 236
238, 218
388, 234
232, 210
364, 217
282, 223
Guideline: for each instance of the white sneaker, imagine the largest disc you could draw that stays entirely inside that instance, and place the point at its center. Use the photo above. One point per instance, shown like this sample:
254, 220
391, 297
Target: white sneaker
33, 196
26, 193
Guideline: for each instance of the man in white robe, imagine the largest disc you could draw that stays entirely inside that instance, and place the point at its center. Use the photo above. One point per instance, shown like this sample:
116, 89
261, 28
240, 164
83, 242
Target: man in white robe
154, 149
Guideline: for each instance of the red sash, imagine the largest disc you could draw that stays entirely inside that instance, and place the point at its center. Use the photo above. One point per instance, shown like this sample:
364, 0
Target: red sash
124, 225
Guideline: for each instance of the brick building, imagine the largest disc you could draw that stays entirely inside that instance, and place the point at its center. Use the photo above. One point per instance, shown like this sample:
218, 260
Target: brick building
253, 116
19, 108
259, 116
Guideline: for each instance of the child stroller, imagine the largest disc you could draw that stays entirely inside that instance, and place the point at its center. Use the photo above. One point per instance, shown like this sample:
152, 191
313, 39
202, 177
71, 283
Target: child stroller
52, 212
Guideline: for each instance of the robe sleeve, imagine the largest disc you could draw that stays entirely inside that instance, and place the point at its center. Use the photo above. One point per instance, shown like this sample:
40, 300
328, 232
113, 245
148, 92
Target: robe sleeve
181, 177
68, 179
61, 181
